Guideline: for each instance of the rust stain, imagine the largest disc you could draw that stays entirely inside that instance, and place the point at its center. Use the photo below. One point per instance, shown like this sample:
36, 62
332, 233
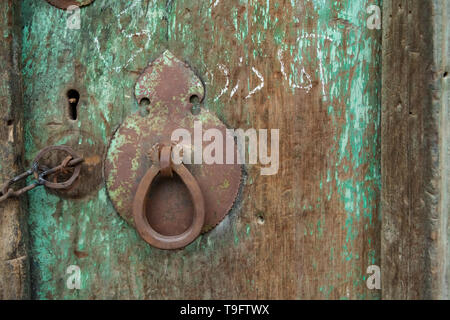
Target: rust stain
80, 254
93, 160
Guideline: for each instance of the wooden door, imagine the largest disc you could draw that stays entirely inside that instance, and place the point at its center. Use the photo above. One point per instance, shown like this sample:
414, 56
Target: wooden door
308, 68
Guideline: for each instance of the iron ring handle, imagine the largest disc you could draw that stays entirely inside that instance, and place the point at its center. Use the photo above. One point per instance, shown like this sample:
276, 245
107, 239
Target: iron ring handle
150, 235
75, 175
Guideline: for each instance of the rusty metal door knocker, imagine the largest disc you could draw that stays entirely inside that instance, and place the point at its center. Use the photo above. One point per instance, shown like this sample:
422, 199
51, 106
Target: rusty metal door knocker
165, 167
169, 211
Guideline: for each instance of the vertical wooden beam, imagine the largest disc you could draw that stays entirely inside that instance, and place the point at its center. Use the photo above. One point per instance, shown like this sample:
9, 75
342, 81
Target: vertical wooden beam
440, 253
415, 149
14, 280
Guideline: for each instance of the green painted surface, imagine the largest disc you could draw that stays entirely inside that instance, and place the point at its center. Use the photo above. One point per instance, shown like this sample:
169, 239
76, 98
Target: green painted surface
320, 50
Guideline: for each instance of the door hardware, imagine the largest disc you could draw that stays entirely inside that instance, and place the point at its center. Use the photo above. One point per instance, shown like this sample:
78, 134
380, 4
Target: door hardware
164, 166
170, 208
40, 173
65, 4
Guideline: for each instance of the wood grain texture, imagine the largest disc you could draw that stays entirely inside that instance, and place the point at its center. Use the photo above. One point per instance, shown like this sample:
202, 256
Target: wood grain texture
440, 153
308, 68
415, 150
14, 267
442, 103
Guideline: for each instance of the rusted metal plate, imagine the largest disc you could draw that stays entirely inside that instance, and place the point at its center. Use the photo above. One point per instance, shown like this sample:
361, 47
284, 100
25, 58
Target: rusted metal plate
65, 4
169, 85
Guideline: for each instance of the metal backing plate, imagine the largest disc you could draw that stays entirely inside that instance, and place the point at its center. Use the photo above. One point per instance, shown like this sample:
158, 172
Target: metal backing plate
64, 4
168, 84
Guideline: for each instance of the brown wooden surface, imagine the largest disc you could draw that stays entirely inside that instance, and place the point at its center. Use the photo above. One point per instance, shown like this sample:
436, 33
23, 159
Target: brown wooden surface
272, 246
14, 280
311, 246
415, 149
308, 232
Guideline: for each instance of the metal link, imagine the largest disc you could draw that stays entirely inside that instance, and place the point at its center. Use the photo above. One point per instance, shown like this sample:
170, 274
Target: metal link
40, 174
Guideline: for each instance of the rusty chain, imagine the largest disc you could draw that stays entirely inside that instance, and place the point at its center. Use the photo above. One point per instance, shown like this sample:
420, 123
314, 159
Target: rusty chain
40, 173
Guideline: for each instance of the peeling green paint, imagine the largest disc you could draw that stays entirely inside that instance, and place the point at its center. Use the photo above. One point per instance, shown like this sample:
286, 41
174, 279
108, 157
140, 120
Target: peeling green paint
103, 60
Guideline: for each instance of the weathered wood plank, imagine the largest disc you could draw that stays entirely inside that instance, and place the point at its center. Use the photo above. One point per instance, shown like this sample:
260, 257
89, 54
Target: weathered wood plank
102, 60
14, 267
415, 150
309, 232
442, 57
319, 63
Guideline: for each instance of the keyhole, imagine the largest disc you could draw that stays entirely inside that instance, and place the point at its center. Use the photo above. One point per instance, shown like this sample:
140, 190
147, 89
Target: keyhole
73, 97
